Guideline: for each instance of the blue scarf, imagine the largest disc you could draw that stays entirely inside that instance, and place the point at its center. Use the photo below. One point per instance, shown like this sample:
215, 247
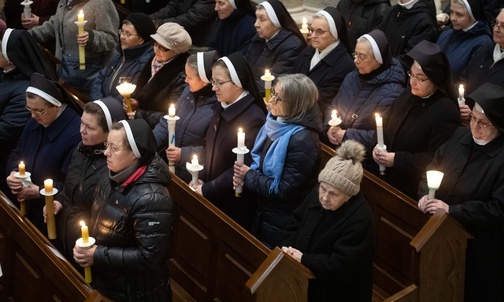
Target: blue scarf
280, 134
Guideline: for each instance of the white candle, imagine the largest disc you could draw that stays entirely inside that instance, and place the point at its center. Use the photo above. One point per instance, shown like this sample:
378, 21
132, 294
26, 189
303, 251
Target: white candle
304, 26
334, 114
241, 139
194, 161
461, 91
379, 129
434, 179
171, 111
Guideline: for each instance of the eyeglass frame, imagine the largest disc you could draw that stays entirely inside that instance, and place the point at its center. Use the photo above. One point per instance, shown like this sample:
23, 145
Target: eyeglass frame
361, 57
275, 95
499, 26
218, 84
113, 148
318, 32
37, 112
160, 47
415, 78
479, 122
127, 34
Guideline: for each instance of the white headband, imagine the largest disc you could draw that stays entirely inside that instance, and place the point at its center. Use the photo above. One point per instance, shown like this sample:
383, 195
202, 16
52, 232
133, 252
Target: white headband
232, 71
46, 96
478, 108
271, 13
233, 4
131, 139
4, 43
330, 21
374, 46
469, 10
200, 60
108, 117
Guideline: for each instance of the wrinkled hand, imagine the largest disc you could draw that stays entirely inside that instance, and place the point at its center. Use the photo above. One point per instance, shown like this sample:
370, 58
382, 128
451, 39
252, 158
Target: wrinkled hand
57, 208
27, 193
335, 135
83, 39
84, 256
383, 158
173, 153
14, 183
431, 206
294, 253
31, 22
465, 111
197, 187
239, 174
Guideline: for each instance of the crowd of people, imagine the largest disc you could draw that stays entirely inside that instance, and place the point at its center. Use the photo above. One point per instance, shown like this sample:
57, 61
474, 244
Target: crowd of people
109, 158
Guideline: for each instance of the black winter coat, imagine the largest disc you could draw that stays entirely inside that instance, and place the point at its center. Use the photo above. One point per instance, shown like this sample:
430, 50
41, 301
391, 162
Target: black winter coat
337, 247
132, 227
156, 95
473, 187
299, 175
234, 33
328, 74
361, 17
278, 55
406, 27
415, 128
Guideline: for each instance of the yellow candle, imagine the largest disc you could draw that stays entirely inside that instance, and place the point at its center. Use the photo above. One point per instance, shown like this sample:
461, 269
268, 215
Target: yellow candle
171, 111
267, 78
21, 168
85, 232
80, 16
87, 274
48, 185
82, 50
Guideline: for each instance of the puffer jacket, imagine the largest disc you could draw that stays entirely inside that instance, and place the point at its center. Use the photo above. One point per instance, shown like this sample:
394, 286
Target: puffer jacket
299, 175
358, 101
361, 17
124, 63
195, 111
154, 95
278, 55
132, 227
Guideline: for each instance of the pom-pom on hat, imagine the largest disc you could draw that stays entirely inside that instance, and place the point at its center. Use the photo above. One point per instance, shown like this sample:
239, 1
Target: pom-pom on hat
143, 24
173, 36
344, 170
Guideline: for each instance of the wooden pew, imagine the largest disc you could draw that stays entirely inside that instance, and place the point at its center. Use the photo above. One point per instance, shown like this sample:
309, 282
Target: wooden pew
418, 257
31, 269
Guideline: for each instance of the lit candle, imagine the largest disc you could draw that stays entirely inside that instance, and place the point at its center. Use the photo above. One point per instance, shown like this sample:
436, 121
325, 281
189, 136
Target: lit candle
21, 168
304, 28
85, 232
80, 30
379, 129
194, 161
267, 78
434, 179
80, 16
48, 185
48, 193
171, 111
335, 120
126, 89
461, 99
241, 139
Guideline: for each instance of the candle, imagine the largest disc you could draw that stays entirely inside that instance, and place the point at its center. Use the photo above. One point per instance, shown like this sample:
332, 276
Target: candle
241, 139
21, 168
434, 179
304, 26
334, 114
267, 78
461, 91
84, 232
48, 185
171, 111
27, 8
194, 161
126, 89
80, 16
379, 129
80, 30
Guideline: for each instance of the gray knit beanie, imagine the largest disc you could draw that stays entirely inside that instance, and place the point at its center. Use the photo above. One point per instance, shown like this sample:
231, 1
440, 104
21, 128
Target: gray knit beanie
344, 170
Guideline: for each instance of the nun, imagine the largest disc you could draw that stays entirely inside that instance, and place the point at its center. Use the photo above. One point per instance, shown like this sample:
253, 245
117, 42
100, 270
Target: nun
369, 89
46, 144
240, 106
426, 111
278, 41
327, 60
20, 57
195, 108
131, 219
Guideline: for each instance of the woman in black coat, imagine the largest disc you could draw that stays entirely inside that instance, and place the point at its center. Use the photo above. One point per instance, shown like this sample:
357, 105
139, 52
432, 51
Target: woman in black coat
422, 118
472, 191
240, 106
131, 219
286, 157
332, 231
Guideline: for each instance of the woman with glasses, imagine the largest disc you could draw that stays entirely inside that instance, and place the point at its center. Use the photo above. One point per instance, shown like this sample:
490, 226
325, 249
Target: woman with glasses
369, 89
422, 118
134, 51
472, 191
286, 157
161, 81
326, 61
46, 144
240, 106
131, 219
469, 31
195, 108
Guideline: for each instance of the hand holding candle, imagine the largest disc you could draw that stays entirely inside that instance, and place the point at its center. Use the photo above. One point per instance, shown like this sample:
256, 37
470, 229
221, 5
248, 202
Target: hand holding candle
86, 242
49, 193
194, 167
126, 89
27, 8
240, 151
434, 179
172, 121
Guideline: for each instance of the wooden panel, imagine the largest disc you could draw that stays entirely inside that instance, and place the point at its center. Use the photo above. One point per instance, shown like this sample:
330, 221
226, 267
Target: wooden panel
27, 276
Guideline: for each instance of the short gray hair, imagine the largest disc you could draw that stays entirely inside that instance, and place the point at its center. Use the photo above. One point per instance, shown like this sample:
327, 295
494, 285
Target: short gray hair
299, 95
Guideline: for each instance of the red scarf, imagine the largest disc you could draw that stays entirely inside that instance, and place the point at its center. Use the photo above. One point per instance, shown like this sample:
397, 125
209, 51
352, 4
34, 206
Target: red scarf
135, 176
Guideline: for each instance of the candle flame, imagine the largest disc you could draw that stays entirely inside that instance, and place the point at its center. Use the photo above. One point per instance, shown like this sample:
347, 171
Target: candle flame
195, 156
240, 130
81, 12
82, 223
21, 162
304, 20
377, 115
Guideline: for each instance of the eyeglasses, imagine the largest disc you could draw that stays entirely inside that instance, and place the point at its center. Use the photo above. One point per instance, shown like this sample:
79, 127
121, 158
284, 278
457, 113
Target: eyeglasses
275, 95
479, 122
318, 31
112, 148
218, 84
498, 26
160, 48
37, 112
359, 56
127, 34
416, 78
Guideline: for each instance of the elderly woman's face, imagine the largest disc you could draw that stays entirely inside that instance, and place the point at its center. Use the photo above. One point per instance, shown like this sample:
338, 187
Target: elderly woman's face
277, 101
263, 25
129, 36
193, 80
91, 133
481, 127
225, 90
330, 197
364, 58
163, 54
41, 111
321, 37
498, 32
118, 156
223, 8
420, 84
459, 16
